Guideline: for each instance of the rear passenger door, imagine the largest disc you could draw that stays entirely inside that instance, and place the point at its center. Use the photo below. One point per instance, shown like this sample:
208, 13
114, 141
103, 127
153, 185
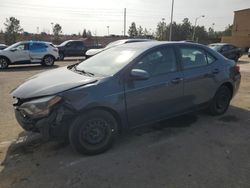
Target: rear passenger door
79, 48
37, 51
200, 74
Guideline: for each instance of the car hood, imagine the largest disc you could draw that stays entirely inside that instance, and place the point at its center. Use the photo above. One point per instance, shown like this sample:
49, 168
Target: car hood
51, 82
92, 52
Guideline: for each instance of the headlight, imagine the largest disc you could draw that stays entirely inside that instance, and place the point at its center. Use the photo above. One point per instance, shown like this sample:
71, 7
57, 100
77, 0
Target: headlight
39, 107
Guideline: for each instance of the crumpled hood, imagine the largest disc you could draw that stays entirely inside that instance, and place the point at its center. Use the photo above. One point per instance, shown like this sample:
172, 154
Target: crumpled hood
92, 52
51, 82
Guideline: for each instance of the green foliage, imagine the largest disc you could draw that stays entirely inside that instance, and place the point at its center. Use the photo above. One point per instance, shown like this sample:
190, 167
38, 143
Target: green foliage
132, 30
12, 28
57, 30
228, 30
140, 31
84, 33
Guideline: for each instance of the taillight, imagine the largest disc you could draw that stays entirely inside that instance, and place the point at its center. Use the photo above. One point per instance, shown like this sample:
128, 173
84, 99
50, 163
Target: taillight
237, 68
55, 49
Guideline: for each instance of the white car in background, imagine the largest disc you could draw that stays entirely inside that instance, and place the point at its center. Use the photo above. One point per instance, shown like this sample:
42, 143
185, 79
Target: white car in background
249, 52
93, 52
29, 52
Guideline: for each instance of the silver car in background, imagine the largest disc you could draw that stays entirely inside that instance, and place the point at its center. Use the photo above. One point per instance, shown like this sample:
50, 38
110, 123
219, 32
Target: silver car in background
29, 52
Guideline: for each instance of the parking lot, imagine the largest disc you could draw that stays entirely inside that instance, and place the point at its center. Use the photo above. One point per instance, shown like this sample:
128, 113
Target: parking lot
194, 150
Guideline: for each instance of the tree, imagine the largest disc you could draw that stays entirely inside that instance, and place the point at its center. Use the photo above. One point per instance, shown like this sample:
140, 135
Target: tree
57, 30
132, 32
140, 31
145, 32
12, 28
89, 34
228, 30
186, 30
84, 34
161, 31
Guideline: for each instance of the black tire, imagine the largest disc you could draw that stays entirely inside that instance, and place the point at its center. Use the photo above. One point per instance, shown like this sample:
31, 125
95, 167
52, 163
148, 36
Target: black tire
221, 101
236, 59
61, 56
4, 63
93, 133
48, 60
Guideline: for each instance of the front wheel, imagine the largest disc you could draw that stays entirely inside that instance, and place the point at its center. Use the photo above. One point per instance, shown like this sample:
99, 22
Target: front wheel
3, 63
221, 101
48, 60
61, 56
93, 132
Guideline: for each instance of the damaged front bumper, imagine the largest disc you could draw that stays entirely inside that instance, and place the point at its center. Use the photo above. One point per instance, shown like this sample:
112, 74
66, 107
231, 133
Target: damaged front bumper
55, 125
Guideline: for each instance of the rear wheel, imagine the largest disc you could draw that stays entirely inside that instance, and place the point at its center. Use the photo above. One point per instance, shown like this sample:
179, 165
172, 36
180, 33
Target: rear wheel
4, 63
48, 60
236, 59
61, 56
93, 133
221, 101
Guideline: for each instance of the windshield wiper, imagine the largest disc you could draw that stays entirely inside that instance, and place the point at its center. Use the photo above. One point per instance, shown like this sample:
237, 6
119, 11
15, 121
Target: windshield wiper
83, 71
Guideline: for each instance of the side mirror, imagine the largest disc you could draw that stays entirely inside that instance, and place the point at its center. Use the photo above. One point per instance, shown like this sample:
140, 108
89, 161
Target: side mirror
13, 50
139, 74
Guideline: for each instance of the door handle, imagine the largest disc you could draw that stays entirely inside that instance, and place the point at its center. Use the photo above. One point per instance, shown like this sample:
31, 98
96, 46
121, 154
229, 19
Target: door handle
177, 80
215, 71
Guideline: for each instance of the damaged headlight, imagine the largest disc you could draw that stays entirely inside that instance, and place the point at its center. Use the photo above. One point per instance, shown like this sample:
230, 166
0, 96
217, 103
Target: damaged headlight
39, 107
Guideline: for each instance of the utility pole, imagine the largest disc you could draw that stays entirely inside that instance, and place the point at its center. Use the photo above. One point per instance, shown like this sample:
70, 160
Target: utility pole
108, 29
124, 30
171, 23
162, 29
52, 26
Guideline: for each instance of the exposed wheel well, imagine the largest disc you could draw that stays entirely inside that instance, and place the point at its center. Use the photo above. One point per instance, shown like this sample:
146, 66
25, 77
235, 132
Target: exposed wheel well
111, 111
229, 86
1, 56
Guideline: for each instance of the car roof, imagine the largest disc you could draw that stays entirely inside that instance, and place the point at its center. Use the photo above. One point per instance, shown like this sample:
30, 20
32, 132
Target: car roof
150, 44
33, 41
219, 44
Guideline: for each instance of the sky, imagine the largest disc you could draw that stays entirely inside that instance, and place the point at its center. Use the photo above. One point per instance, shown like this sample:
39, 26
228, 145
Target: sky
95, 15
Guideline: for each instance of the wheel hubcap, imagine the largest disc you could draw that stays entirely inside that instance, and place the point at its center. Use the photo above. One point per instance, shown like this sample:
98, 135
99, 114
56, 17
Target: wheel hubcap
48, 60
222, 101
3, 63
95, 131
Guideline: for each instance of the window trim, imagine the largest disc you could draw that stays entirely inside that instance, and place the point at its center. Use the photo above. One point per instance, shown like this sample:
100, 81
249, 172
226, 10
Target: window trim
206, 52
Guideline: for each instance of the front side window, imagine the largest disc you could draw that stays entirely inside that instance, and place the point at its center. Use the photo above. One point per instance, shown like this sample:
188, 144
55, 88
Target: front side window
192, 57
158, 62
20, 47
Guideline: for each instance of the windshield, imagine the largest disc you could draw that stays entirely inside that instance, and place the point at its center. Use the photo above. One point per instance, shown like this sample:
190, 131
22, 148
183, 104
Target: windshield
64, 43
215, 47
12, 46
109, 61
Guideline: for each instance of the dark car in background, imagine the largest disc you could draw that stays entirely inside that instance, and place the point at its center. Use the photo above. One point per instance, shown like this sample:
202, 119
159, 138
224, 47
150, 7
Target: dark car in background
71, 48
125, 87
228, 50
92, 52
3, 46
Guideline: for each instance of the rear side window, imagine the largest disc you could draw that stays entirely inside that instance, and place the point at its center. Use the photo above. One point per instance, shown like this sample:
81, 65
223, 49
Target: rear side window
192, 57
78, 44
158, 62
210, 58
38, 47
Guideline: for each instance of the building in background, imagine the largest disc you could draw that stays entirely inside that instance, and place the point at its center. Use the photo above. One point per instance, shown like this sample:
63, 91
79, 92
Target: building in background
241, 29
